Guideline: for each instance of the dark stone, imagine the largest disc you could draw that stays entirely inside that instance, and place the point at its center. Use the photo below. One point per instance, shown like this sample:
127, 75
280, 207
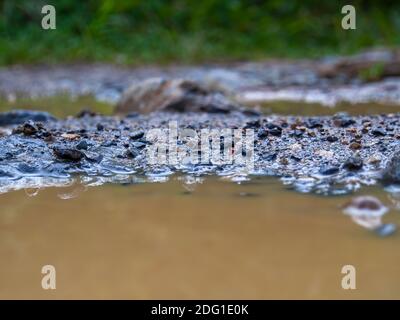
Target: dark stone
100, 127
133, 152
270, 157
139, 145
82, 145
20, 116
378, 132
86, 113
93, 156
353, 163
28, 128
355, 146
262, 133
109, 144
275, 131
328, 170
297, 133
314, 123
252, 124
136, 135
45, 135
68, 153
295, 158
332, 139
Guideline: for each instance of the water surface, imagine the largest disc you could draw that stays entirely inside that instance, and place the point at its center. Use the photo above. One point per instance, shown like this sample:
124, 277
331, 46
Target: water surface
211, 240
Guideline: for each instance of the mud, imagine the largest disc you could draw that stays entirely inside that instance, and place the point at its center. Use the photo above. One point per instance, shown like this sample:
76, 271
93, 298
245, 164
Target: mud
326, 155
329, 81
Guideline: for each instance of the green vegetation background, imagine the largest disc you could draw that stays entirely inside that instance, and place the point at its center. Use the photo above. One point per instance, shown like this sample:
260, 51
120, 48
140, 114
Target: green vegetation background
162, 31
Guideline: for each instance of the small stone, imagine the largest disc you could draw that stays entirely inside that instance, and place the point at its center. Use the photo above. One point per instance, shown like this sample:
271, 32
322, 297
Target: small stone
386, 229
46, 136
270, 157
132, 152
374, 160
139, 145
82, 145
28, 128
136, 135
275, 131
295, 147
314, 123
332, 139
252, 124
93, 156
343, 120
100, 127
68, 153
378, 132
392, 170
297, 133
284, 161
70, 136
262, 133
329, 170
353, 163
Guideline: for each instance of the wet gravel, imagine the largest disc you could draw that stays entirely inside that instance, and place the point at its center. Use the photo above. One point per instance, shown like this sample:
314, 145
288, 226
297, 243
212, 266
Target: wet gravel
326, 155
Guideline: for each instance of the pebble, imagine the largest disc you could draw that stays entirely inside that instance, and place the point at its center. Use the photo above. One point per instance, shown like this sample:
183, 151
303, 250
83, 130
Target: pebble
378, 132
68, 153
386, 229
136, 135
139, 145
329, 170
332, 139
82, 145
392, 171
355, 146
353, 163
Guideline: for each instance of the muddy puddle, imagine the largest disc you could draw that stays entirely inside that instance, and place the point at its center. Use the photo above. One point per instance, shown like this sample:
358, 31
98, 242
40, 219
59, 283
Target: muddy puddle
214, 239
204, 238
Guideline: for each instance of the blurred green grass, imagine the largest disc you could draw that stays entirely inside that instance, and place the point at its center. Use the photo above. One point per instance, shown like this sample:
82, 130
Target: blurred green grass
158, 31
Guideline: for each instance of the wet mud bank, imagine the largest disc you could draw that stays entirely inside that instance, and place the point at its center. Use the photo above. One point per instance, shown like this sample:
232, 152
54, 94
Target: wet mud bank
322, 154
369, 77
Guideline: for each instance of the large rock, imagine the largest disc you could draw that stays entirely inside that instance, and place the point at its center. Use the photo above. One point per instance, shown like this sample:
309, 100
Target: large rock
180, 95
21, 116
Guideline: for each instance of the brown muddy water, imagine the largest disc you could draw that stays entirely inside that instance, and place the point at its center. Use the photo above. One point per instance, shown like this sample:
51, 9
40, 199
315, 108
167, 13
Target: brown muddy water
212, 240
